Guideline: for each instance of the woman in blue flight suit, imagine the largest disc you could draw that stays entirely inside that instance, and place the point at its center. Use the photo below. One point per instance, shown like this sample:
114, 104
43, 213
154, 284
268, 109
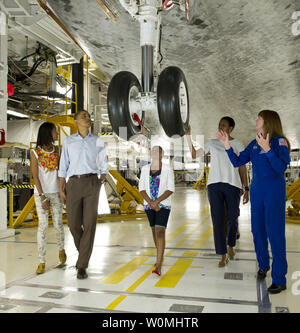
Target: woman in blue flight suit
269, 155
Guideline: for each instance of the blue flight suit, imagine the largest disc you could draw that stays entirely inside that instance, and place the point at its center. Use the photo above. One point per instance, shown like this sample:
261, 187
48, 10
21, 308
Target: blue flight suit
267, 197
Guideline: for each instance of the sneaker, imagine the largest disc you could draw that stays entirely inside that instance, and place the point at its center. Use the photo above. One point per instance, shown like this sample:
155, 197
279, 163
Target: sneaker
262, 273
62, 256
40, 269
276, 289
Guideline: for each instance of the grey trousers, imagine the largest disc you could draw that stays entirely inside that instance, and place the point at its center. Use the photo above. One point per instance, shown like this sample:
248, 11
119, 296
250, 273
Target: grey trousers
82, 212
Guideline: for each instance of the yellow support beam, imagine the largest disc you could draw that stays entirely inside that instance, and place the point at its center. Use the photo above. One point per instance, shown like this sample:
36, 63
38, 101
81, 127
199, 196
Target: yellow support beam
201, 181
11, 207
132, 191
24, 213
293, 189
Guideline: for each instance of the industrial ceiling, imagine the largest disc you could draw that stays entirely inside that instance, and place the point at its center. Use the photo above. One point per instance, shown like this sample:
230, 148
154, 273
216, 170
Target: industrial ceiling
239, 57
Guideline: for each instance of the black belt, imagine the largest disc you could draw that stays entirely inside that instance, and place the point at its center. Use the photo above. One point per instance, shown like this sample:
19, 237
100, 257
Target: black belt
84, 175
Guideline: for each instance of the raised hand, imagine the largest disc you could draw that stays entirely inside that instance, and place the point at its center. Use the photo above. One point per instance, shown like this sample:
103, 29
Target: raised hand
224, 138
264, 143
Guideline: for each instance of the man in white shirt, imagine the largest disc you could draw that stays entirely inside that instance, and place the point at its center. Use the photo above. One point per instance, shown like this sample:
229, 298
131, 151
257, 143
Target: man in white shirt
82, 160
224, 188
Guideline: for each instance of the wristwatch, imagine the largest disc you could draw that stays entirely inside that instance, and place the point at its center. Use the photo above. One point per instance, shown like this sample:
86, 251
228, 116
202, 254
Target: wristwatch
246, 188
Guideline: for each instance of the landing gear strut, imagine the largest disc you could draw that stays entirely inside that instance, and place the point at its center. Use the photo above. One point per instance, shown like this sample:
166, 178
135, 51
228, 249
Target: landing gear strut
128, 100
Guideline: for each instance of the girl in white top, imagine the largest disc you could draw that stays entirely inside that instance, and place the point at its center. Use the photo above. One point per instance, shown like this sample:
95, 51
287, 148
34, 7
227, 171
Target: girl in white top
225, 183
156, 187
44, 164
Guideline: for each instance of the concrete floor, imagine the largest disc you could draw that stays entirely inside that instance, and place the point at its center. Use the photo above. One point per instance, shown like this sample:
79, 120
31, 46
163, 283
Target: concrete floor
120, 278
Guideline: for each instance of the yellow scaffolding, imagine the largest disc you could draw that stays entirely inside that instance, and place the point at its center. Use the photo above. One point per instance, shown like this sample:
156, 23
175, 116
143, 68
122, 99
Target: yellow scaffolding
66, 99
202, 180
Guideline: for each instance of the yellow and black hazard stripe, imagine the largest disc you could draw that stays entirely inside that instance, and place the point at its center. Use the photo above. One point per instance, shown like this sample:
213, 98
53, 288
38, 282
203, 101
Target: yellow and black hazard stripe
106, 133
15, 186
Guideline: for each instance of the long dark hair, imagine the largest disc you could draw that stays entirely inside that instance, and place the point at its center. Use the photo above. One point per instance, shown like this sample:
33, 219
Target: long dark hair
45, 137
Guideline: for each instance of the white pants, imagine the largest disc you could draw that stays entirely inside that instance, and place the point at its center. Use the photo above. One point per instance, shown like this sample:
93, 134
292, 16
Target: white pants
56, 210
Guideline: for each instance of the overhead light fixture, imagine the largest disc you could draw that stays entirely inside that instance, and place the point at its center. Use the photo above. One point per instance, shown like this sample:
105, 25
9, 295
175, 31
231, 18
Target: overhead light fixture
17, 114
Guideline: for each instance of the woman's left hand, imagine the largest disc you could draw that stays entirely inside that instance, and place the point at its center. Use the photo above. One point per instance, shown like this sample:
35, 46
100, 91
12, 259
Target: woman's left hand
264, 143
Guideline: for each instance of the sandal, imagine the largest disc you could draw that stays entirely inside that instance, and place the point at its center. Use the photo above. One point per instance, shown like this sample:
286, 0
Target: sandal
156, 272
231, 255
223, 263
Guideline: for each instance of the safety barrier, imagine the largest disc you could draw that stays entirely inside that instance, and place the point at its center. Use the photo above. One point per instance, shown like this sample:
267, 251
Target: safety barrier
107, 133
15, 186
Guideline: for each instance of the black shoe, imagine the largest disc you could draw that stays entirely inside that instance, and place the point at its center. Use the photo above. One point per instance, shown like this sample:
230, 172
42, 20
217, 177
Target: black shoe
276, 289
81, 273
262, 273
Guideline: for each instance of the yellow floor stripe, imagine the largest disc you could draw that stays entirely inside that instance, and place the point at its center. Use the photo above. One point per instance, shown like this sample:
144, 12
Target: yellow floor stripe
174, 234
174, 274
132, 288
149, 252
191, 233
170, 279
139, 281
190, 253
203, 238
182, 228
121, 273
152, 252
116, 302
169, 253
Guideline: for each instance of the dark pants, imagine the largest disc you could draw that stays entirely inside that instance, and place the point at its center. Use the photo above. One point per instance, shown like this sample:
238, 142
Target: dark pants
82, 211
221, 195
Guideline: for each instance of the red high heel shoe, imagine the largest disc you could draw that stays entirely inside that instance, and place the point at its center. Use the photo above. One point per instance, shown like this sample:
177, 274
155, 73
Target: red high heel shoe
156, 272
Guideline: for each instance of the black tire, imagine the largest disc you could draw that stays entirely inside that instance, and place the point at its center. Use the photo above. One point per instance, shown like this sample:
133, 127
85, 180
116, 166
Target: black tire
118, 104
169, 101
